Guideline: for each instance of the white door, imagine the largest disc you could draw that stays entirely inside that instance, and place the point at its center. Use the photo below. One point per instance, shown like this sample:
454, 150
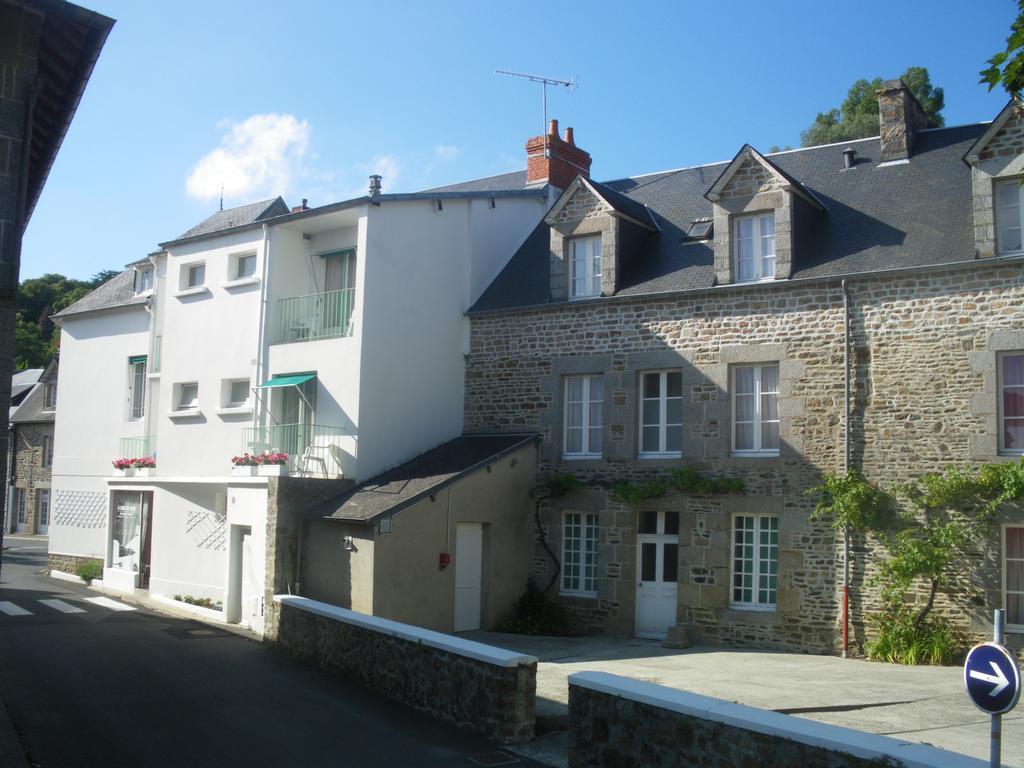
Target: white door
469, 562
252, 588
43, 524
657, 572
19, 501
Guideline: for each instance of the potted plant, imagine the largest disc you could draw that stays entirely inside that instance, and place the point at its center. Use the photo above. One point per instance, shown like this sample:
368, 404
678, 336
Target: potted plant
144, 466
123, 467
243, 466
272, 464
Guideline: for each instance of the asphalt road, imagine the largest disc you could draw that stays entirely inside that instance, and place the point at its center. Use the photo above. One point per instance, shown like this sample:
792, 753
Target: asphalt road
91, 683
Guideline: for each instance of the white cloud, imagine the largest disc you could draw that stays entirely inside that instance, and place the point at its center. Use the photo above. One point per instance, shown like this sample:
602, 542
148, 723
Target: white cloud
258, 157
446, 152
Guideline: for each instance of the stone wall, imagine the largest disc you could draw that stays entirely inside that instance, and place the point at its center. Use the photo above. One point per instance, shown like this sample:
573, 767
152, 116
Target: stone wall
1001, 157
474, 686
614, 721
921, 345
69, 563
29, 473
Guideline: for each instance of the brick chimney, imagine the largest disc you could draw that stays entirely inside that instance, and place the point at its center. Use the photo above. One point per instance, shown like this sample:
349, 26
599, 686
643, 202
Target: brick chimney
303, 207
900, 117
563, 162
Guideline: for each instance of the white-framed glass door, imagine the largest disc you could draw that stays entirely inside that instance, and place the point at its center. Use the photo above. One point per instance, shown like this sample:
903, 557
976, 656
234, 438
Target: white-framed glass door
657, 572
43, 511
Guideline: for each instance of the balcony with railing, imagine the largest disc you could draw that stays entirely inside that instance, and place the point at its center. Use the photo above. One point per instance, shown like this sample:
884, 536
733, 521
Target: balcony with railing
316, 316
314, 450
143, 446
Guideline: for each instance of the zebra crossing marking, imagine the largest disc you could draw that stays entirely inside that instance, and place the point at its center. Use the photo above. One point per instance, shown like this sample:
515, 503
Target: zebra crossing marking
13, 610
60, 605
106, 602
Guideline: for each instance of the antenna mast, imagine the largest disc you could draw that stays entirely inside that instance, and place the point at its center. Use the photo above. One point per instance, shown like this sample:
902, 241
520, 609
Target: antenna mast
569, 85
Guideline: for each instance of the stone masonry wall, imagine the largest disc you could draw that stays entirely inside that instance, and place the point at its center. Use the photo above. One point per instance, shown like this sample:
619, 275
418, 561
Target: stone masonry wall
497, 701
1003, 156
923, 347
29, 472
69, 563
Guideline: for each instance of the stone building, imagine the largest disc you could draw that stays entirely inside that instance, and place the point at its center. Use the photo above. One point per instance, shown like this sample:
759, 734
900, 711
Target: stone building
714, 317
32, 417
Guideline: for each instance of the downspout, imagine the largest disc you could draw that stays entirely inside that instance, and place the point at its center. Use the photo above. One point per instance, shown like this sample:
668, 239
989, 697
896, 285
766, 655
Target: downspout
846, 465
261, 332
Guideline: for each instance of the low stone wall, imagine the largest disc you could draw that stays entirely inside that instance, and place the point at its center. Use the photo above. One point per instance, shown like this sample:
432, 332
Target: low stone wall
69, 563
615, 721
475, 686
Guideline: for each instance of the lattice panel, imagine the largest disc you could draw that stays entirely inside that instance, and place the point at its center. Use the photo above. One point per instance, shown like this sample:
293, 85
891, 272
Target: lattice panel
80, 509
207, 529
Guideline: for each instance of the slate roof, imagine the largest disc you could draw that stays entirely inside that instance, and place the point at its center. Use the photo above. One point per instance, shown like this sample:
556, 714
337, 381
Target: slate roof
241, 216
416, 479
118, 291
627, 205
904, 215
22, 381
501, 182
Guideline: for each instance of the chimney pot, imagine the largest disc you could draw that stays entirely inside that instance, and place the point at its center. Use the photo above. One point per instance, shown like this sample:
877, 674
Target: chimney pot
849, 157
553, 128
553, 160
375, 185
568, 137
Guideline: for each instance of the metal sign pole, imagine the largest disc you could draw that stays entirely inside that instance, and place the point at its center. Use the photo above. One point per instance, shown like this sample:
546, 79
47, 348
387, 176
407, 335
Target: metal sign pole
996, 744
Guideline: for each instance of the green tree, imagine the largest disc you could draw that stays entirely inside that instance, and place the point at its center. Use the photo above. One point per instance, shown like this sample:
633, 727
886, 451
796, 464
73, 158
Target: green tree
857, 117
1006, 68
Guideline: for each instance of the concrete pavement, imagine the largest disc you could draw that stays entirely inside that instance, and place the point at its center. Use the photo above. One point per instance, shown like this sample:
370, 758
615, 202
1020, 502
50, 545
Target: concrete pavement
923, 704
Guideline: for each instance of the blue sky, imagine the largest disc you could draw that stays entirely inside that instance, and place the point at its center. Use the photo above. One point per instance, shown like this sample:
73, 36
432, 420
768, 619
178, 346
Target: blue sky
306, 99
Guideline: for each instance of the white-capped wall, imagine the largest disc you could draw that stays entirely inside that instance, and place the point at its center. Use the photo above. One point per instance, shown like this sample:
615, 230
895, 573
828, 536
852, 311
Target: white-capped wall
94, 416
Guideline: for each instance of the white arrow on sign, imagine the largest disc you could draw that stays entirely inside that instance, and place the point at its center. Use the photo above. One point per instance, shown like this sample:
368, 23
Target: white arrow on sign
998, 679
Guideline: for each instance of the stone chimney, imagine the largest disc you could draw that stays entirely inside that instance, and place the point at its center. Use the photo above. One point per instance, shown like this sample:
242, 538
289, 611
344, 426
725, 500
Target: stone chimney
900, 117
560, 163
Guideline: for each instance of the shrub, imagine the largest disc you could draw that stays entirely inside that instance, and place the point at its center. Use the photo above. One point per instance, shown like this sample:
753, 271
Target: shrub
535, 614
202, 602
902, 640
89, 570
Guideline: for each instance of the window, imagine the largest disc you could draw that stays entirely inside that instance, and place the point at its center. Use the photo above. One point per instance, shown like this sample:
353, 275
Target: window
47, 451
50, 395
188, 396
755, 561
136, 387
44, 507
661, 413
245, 266
1011, 403
755, 409
579, 553
583, 402
755, 247
194, 276
20, 501
143, 279
236, 393
585, 257
1013, 574
1008, 207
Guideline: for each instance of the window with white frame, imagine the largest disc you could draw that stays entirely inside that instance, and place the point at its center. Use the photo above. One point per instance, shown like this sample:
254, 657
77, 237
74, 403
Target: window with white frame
754, 247
1011, 403
584, 398
47, 451
188, 396
50, 395
143, 279
579, 553
193, 275
1008, 201
43, 502
585, 262
245, 266
755, 561
236, 393
20, 502
137, 387
755, 409
1013, 575
661, 413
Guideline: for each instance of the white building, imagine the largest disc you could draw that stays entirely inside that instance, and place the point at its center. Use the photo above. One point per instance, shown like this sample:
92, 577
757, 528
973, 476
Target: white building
334, 334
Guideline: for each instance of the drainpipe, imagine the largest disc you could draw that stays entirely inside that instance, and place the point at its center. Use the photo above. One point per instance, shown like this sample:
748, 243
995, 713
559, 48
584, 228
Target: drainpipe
261, 331
846, 465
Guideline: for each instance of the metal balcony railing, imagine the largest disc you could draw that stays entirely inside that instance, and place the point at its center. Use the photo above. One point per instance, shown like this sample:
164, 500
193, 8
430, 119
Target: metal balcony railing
317, 316
313, 450
137, 447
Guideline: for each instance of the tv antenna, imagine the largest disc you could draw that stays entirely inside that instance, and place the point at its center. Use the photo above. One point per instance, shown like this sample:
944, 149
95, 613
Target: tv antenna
569, 85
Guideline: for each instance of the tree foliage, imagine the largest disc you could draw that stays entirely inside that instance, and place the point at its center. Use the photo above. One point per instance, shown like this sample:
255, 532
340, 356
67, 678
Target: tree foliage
857, 117
35, 341
1006, 68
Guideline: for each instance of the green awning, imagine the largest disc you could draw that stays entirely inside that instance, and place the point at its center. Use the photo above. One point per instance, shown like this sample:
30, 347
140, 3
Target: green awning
287, 381
136, 359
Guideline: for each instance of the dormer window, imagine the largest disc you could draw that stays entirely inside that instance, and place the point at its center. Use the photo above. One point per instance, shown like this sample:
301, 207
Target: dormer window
143, 279
1009, 195
586, 266
754, 238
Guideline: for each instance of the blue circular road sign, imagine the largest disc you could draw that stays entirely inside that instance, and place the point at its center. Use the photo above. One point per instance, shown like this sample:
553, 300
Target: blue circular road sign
992, 678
